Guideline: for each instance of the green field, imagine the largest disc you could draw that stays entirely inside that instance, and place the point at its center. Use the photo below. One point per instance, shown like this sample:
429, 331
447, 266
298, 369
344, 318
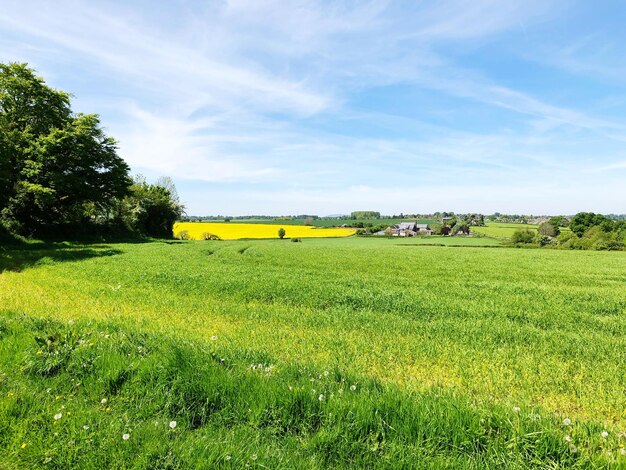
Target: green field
329, 222
502, 230
326, 353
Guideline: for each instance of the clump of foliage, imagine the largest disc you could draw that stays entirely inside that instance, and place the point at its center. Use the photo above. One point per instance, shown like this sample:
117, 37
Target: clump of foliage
57, 168
60, 174
523, 236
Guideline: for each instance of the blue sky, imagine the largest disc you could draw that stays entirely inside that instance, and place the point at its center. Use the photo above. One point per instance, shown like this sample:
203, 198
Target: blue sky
279, 107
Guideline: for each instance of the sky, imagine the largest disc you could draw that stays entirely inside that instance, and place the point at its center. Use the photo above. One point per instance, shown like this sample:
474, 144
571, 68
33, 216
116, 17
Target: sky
310, 107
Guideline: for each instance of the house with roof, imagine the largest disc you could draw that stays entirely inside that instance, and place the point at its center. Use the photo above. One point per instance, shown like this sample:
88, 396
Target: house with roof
410, 229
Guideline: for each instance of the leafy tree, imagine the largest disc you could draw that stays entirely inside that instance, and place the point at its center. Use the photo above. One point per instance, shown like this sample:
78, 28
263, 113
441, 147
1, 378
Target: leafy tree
548, 230
151, 209
559, 221
57, 169
281, 233
585, 220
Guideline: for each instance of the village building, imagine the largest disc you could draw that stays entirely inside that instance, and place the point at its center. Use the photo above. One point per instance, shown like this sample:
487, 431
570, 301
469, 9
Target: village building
410, 229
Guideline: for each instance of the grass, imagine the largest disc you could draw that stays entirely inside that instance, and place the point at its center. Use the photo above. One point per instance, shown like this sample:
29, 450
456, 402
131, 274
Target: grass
444, 345
501, 229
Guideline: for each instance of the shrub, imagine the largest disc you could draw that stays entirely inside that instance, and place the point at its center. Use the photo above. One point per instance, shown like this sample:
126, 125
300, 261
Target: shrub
523, 236
281, 233
209, 236
296, 240
183, 235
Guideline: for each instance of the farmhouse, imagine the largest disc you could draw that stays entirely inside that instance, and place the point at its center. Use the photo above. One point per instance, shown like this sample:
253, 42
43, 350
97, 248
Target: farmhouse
410, 229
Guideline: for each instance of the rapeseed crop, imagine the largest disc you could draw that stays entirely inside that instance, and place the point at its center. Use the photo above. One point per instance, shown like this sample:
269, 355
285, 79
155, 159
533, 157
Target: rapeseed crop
237, 231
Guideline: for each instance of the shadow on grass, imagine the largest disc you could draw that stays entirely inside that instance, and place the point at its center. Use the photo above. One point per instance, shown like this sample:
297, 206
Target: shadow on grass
17, 257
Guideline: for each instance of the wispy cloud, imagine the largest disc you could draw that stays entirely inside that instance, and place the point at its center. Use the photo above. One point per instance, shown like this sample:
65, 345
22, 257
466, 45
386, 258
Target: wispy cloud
324, 97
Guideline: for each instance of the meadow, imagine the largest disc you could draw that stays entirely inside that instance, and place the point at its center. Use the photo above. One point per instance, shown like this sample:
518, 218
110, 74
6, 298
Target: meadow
326, 353
502, 230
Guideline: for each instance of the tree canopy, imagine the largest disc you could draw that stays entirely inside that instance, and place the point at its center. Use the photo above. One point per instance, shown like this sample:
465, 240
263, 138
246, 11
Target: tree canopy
59, 172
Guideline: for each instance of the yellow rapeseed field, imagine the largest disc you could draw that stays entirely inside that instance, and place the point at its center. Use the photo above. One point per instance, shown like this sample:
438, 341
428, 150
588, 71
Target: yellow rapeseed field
235, 231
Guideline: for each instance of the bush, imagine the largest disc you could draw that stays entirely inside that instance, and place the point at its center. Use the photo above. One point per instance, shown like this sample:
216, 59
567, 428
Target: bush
209, 236
183, 235
523, 236
296, 240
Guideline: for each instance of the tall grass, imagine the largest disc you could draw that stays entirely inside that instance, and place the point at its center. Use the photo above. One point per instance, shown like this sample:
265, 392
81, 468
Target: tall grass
72, 393
462, 357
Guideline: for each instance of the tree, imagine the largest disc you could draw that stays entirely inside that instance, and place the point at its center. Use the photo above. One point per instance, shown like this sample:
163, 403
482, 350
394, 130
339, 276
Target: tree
548, 229
281, 233
585, 220
58, 169
150, 209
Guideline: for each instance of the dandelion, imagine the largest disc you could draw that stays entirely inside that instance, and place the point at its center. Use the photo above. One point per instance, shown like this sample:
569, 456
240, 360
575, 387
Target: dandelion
604, 434
126, 436
58, 416
353, 387
172, 424
321, 397
567, 422
103, 401
213, 338
568, 438
23, 445
516, 409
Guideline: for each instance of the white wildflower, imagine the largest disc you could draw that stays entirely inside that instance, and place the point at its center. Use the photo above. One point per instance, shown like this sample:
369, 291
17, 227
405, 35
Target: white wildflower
353, 387
172, 424
126, 436
604, 434
516, 409
213, 338
103, 401
567, 422
85, 427
568, 438
58, 416
321, 397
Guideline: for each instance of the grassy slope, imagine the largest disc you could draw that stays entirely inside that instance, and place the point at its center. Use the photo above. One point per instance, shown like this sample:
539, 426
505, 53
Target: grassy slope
446, 330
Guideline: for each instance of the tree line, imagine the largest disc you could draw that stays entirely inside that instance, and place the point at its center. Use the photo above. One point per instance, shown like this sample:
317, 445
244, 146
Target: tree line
587, 231
60, 174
